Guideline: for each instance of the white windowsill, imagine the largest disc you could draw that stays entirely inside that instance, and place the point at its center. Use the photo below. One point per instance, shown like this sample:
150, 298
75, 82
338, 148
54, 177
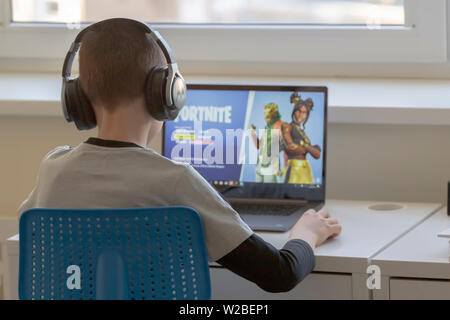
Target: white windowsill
377, 101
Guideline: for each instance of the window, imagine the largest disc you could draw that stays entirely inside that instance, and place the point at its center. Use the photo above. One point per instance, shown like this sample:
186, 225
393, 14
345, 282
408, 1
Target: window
311, 12
243, 33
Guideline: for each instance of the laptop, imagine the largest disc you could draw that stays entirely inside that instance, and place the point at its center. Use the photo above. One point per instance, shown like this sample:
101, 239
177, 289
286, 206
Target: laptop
262, 147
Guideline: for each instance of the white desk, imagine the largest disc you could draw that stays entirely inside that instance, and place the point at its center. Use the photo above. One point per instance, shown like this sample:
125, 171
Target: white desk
417, 266
11, 266
341, 264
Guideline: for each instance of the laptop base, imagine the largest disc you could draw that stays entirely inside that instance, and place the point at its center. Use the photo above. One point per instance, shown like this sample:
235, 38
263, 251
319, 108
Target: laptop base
276, 223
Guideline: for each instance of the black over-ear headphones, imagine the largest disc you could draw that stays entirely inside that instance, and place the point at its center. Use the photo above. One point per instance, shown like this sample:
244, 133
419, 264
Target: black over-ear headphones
165, 89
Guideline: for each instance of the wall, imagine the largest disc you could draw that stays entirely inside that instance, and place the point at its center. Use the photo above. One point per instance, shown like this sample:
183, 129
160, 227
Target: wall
365, 162
389, 162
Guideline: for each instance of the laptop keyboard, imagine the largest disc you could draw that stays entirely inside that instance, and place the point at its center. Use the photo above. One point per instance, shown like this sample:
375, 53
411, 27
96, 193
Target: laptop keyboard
267, 209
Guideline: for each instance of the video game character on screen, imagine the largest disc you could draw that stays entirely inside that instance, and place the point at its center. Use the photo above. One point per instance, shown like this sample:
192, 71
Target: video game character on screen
268, 162
297, 144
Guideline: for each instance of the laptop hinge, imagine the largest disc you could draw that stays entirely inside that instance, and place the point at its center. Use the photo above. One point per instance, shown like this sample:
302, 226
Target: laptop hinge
266, 201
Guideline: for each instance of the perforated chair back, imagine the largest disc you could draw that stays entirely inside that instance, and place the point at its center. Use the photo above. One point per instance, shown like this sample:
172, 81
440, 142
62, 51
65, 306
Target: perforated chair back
113, 254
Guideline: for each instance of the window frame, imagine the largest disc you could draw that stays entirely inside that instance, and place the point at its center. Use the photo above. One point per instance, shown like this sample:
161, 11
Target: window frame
422, 40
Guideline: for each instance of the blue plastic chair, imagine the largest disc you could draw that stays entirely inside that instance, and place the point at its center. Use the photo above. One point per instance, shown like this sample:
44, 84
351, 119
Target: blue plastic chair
113, 254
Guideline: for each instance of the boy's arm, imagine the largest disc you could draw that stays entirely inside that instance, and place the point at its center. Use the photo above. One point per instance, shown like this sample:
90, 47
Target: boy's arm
271, 269
233, 244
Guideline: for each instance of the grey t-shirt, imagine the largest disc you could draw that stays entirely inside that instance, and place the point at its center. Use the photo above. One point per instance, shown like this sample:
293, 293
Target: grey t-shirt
92, 176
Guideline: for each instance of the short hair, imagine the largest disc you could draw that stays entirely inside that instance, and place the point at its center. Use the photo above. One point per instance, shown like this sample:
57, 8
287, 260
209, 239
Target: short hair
115, 59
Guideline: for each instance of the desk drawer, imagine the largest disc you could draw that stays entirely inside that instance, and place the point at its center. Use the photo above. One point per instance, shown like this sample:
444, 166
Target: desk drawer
11, 278
228, 286
417, 289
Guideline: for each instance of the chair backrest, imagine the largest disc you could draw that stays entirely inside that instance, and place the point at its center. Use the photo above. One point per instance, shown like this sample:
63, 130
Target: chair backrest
112, 254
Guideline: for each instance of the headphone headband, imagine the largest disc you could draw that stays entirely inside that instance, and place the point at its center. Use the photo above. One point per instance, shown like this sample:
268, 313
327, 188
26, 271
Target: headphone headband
75, 47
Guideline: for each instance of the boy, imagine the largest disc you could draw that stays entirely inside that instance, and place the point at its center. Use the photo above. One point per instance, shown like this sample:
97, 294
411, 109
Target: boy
115, 170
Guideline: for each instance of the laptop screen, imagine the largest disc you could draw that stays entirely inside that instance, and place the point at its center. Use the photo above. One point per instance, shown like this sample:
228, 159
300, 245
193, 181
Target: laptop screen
254, 141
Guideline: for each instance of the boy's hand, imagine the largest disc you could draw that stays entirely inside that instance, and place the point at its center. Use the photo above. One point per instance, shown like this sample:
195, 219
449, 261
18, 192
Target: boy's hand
315, 227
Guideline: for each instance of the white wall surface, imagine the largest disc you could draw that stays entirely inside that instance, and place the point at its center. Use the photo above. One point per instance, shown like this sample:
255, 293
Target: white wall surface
365, 161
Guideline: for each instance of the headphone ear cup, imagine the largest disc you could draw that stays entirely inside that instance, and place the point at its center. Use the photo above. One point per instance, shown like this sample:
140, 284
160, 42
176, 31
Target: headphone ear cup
87, 112
155, 93
70, 101
79, 107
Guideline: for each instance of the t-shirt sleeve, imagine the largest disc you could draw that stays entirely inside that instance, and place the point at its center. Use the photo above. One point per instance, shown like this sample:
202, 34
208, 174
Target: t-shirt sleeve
27, 204
271, 269
31, 201
224, 229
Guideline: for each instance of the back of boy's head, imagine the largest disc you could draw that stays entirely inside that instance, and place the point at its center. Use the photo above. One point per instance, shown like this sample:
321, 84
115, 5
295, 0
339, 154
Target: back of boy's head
115, 60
